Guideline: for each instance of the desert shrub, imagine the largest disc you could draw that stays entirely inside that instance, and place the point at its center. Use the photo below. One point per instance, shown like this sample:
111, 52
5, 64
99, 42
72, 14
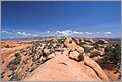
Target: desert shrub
113, 54
15, 78
101, 61
7, 46
21, 50
61, 41
88, 49
45, 55
94, 54
12, 68
15, 61
81, 57
17, 55
96, 46
10, 75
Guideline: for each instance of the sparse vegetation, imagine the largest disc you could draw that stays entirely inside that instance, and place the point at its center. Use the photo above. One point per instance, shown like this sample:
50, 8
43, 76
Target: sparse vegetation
81, 43
101, 61
15, 78
81, 57
17, 55
113, 54
94, 54
96, 46
40, 50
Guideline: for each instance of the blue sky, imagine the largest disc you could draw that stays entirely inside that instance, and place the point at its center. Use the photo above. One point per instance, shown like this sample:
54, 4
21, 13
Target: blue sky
80, 19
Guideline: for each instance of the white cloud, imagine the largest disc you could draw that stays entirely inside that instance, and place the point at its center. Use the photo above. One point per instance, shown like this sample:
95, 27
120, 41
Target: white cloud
7, 32
19, 33
75, 32
48, 31
65, 33
24, 34
97, 32
108, 33
89, 33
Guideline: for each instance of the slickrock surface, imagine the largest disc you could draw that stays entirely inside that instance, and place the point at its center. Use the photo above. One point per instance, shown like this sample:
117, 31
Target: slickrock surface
63, 68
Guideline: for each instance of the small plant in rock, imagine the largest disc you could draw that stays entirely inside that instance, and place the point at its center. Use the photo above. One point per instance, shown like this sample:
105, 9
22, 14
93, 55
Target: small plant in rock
81, 57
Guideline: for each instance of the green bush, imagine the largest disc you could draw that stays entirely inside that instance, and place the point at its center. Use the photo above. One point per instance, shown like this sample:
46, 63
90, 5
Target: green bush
16, 61
17, 55
101, 61
81, 43
113, 54
96, 46
94, 54
81, 57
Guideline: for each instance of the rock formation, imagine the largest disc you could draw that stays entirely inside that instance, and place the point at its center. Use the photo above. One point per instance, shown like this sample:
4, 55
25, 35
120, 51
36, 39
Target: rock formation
65, 66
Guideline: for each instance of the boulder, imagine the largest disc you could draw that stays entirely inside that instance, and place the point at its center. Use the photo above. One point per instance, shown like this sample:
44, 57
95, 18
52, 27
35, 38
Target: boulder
90, 41
102, 42
74, 55
73, 46
87, 48
46, 51
51, 56
81, 40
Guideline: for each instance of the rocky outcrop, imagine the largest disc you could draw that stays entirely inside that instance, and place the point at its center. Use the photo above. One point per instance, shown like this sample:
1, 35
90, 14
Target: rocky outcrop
90, 41
74, 55
62, 68
102, 42
65, 67
53, 60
